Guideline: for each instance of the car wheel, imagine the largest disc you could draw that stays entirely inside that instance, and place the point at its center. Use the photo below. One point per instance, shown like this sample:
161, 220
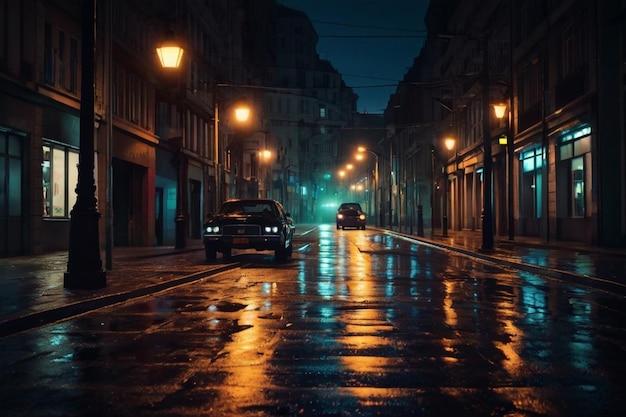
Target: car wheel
338, 227
363, 227
210, 253
227, 252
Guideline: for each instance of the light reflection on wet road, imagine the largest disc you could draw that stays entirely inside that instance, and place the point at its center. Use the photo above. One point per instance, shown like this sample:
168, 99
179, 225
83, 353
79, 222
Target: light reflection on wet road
358, 323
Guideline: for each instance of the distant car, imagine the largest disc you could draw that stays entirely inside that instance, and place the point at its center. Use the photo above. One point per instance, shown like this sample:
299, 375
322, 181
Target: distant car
350, 215
255, 223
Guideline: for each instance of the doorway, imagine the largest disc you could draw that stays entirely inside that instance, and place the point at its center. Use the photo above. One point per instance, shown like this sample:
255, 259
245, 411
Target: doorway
128, 203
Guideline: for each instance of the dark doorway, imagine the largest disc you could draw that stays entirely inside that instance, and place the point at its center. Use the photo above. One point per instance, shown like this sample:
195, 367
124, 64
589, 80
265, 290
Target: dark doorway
128, 204
11, 184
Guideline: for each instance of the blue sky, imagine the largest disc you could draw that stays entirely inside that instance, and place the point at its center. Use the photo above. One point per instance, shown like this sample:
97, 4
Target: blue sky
371, 43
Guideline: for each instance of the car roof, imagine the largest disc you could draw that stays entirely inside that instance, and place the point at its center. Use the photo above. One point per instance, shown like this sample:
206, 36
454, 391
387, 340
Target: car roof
250, 200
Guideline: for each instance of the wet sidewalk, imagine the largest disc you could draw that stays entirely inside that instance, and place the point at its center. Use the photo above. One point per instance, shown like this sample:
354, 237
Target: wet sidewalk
33, 293
32, 286
603, 268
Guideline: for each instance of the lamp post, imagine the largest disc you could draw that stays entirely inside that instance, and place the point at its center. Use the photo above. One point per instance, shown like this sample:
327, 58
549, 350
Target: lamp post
242, 115
362, 149
84, 266
170, 56
449, 143
487, 215
506, 140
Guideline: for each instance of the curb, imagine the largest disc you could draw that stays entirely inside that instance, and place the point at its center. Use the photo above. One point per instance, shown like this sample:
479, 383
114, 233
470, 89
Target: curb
567, 276
31, 321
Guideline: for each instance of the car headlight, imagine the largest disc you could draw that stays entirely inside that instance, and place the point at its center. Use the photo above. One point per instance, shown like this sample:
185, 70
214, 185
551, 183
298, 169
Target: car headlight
271, 229
340, 216
213, 229
362, 217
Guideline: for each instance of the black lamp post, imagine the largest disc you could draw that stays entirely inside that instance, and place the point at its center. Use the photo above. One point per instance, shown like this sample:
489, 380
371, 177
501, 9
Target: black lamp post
362, 149
241, 113
450, 143
170, 56
84, 266
487, 214
506, 140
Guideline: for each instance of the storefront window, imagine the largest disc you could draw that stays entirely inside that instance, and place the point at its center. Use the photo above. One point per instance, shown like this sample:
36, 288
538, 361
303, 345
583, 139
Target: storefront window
578, 187
531, 185
60, 176
572, 186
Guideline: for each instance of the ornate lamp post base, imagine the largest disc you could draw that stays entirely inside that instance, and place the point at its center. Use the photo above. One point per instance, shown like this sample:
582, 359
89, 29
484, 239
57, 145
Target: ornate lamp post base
84, 266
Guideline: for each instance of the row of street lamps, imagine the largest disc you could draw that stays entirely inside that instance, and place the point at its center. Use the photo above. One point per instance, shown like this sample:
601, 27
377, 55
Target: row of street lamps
450, 143
360, 156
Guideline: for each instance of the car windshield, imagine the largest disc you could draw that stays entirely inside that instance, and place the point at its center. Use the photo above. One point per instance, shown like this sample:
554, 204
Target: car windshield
243, 208
345, 207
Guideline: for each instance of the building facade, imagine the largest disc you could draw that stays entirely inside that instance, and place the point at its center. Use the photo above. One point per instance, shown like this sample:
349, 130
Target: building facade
166, 149
558, 172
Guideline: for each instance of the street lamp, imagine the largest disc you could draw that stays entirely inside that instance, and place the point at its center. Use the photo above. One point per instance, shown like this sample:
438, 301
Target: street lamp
487, 215
449, 143
506, 140
362, 149
84, 266
377, 197
265, 157
241, 113
170, 56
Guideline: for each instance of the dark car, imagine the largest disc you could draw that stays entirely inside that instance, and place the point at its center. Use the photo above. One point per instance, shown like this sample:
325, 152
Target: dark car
256, 223
350, 215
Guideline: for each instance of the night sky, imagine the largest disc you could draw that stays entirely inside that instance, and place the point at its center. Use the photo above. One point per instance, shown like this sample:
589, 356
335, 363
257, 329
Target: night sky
371, 43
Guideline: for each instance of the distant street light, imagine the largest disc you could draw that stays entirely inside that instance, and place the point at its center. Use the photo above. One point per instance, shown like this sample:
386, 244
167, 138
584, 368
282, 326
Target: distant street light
376, 191
242, 112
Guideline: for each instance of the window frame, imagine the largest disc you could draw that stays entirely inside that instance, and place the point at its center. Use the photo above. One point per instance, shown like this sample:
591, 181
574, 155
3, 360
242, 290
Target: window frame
61, 206
573, 154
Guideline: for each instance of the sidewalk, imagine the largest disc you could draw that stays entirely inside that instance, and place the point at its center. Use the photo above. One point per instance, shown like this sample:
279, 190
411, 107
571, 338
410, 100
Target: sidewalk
603, 268
33, 292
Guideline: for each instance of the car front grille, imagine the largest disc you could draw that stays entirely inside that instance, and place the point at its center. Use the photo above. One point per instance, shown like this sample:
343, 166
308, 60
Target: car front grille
242, 230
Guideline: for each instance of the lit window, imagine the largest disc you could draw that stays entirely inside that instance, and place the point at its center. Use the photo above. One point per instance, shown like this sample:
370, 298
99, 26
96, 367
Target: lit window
60, 177
574, 158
